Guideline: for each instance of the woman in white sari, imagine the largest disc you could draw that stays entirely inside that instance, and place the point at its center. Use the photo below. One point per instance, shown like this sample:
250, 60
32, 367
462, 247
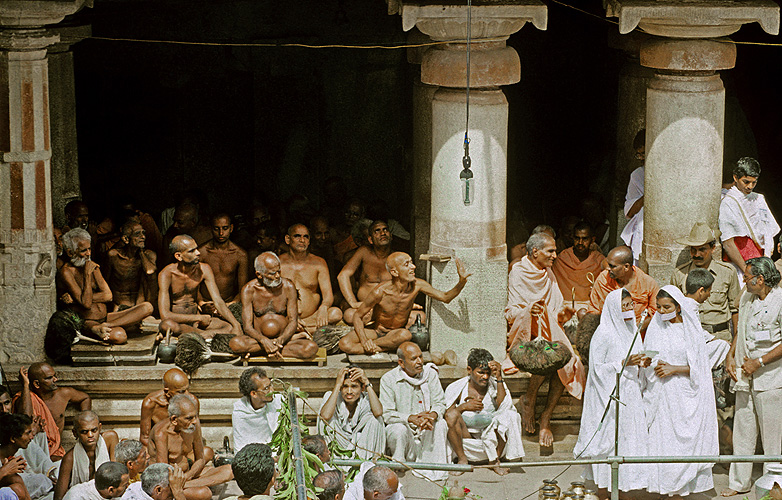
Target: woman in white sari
607, 352
679, 398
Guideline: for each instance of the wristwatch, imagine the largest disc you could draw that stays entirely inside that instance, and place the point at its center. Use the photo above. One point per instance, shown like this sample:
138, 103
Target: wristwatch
760, 360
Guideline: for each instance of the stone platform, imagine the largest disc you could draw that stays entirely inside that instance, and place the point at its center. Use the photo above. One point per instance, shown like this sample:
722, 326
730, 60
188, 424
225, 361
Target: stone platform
117, 392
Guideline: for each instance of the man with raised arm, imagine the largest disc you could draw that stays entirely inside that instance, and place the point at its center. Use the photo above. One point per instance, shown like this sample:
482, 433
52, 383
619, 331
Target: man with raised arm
310, 275
390, 304
81, 287
42, 397
270, 314
178, 285
371, 260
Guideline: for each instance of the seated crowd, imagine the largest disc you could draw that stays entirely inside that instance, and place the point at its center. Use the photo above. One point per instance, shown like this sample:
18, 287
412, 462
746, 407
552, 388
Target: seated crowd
270, 294
675, 348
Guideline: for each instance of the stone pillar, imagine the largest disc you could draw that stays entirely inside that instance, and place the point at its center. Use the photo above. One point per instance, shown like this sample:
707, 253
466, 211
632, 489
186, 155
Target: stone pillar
685, 113
474, 233
27, 292
62, 116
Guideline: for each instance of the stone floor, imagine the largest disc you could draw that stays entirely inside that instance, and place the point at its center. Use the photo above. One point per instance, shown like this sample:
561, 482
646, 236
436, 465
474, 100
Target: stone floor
524, 483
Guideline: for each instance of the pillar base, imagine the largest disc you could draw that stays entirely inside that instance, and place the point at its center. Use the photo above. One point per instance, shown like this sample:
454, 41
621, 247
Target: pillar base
27, 296
475, 317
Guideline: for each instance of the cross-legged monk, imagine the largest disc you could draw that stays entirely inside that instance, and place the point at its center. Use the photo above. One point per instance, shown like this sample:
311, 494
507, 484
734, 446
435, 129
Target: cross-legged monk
89, 293
482, 422
371, 260
131, 269
310, 275
536, 308
391, 303
93, 448
577, 267
172, 440
270, 315
227, 260
621, 273
42, 397
154, 407
178, 285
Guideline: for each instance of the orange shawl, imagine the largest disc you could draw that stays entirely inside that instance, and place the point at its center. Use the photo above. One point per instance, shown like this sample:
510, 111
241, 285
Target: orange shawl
571, 273
50, 426
528, 284
643, 289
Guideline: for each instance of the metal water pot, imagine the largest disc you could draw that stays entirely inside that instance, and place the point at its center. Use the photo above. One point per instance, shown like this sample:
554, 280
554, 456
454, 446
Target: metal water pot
420, 334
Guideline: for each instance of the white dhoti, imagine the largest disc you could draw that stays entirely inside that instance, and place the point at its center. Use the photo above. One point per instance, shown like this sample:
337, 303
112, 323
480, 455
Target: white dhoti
767, 405
504, 423
402, 396
407, 445
362, 431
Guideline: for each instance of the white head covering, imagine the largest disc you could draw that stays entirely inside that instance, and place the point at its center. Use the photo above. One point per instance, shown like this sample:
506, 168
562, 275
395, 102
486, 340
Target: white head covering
614, 324
700, 370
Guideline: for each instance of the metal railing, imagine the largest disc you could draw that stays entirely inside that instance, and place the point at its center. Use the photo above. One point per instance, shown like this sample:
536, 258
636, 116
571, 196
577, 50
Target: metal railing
613, 461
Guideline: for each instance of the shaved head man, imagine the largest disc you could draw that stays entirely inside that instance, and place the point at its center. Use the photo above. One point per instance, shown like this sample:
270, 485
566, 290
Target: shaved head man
310, 275
178, 285
390, 304
90, 441
42, 397
154, 408
227, 260
621, 273
270, 313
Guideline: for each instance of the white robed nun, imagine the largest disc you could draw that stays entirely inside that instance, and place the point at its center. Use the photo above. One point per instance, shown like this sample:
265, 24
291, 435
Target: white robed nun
608, 349
680, 409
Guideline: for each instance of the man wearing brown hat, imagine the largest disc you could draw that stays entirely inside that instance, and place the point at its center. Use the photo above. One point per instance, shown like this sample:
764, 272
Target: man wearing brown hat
718, 313
719, 310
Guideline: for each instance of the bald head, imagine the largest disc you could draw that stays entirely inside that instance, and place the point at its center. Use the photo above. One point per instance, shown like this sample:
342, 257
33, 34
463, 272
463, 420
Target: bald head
622, 255
180, 243
296, 227
85, 418
175, 381
37, 370
620, 264
380, 479
400, 266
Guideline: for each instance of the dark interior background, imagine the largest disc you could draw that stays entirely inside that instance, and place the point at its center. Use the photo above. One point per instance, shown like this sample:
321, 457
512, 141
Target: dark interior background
265, 123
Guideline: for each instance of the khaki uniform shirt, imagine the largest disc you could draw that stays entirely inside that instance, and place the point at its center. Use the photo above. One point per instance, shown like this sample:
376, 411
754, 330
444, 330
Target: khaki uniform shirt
722, 304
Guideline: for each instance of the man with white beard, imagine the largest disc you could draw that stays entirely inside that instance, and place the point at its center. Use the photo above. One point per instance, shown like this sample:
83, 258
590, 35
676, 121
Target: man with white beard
270, 313
172, 440
81, 288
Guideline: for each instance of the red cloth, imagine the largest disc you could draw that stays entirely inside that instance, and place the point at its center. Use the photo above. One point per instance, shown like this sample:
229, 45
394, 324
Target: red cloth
747, 248
50, 426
